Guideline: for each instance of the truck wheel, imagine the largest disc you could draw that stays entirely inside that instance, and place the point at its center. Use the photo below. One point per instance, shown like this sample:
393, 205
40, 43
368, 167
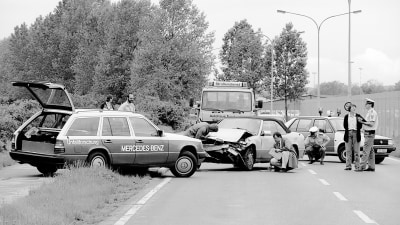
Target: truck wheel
342, 153
98, 159
248, 158
185, 165
47, 170
379, 160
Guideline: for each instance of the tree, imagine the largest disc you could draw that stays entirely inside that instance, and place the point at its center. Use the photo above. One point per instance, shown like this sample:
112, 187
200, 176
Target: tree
291, 55
241, 55
397, 86
372, 86
175, 53
333, 88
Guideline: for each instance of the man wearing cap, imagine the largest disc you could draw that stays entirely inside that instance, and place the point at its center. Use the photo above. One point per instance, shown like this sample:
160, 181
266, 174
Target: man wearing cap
352, 137
315, 145
369, 125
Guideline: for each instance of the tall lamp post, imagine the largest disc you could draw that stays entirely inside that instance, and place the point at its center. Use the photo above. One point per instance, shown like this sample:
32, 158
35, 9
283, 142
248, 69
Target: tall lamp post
272, 71
318, 32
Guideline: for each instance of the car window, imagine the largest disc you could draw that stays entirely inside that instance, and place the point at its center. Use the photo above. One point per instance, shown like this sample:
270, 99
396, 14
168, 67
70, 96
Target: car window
273, 127
142, 127
115, 126
304, 125
293, 126
85, 126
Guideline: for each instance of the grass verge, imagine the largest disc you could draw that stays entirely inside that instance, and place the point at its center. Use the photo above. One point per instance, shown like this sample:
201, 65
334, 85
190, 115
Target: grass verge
80, 196
5, 159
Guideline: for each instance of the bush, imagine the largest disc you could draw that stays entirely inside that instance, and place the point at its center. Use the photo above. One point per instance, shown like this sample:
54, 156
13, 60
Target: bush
13, 115
163, 112
89, 101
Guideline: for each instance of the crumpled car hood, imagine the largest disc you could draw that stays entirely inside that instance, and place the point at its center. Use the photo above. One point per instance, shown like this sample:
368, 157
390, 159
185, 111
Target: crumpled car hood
228, 135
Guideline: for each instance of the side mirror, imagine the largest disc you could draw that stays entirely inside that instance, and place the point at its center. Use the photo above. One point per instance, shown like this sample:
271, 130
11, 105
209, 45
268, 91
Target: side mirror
191, 102
266, 133
259, 104
160, 133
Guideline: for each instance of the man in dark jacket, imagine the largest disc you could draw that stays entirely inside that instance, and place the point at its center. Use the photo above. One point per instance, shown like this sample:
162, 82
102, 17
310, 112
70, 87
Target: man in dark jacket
352, 137
201, 130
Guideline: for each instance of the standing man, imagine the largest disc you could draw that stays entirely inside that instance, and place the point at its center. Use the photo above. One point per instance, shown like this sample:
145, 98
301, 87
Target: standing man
370, 125
201, 130
352, 137
315, 144
128, 106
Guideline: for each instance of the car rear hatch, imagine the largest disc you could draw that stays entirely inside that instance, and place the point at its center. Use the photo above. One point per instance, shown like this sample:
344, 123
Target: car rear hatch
49, 95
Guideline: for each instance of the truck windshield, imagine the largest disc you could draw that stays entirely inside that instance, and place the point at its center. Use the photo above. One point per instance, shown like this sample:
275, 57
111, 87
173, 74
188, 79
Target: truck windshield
227, 101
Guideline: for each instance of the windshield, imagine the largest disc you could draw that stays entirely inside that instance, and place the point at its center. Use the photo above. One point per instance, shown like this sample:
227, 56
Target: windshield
251, 125
227, 101
337, 124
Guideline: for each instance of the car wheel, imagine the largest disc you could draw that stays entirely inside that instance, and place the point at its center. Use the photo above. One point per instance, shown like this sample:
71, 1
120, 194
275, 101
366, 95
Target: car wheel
249, 158
185, 165
342, 153
47, 170
98, 159
379, 160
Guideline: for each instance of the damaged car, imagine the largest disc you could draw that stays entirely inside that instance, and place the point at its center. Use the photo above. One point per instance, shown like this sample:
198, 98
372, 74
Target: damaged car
244, 141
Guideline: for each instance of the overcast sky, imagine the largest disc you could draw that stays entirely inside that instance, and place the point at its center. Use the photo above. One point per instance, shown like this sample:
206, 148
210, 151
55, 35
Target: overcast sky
375, 32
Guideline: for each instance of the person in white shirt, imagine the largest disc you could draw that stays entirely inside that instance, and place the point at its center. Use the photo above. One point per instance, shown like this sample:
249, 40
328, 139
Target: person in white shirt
352, 137
370, 125
128, 106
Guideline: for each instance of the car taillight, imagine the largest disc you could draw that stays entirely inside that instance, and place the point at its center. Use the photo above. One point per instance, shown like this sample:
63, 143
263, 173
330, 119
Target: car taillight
13, 145
59, 147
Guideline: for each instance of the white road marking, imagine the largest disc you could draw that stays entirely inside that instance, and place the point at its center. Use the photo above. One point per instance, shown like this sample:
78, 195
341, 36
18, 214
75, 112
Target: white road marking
324, 182
133, 210
393, 159
312, 172
340, 196
364, 217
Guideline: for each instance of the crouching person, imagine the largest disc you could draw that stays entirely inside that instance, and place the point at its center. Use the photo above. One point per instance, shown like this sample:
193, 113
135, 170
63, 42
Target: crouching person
284, 156
315, 145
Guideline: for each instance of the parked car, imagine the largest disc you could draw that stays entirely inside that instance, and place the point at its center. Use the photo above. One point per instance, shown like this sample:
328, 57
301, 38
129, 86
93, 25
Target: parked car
59, 134
244, 141
333, 127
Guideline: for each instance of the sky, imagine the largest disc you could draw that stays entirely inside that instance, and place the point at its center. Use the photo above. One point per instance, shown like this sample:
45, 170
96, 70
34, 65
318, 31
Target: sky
374, 37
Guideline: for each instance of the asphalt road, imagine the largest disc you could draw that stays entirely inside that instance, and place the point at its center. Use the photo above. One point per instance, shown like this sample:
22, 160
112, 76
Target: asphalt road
312, 194
221, 194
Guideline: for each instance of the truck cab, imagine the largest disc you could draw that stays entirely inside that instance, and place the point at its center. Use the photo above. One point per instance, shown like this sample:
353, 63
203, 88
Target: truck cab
221, 99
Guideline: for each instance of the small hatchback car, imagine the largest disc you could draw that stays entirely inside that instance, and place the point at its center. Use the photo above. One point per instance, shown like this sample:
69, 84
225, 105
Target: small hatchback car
59, 135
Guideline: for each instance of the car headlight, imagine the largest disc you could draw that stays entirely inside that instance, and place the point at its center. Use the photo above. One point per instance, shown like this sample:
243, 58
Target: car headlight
390, 142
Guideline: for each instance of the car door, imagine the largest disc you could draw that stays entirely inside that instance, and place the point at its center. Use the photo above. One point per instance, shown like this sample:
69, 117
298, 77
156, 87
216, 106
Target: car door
267, 142
151, 148
325, 127
117, 138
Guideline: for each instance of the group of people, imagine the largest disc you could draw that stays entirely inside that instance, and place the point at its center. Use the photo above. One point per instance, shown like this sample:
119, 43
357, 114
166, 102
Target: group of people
127, 106
353, 123
316, 142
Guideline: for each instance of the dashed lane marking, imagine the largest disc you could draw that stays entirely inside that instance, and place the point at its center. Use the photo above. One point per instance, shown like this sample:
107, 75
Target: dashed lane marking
364, 217
324, 182
312, 172
133, 210
340, 196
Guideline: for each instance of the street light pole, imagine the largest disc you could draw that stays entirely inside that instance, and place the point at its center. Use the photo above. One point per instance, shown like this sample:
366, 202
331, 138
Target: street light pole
318, 33
272, 72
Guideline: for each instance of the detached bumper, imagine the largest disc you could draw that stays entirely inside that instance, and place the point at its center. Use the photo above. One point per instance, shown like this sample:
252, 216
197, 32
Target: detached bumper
37, 159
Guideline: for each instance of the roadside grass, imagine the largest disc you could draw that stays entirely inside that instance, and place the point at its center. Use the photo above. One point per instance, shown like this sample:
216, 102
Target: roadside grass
5, 159
396, 141
81, 195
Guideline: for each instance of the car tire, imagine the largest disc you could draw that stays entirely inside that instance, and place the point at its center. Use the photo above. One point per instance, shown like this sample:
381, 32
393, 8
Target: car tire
249, 158
185, 165
98, 159
378, 160
342, 153
47, 170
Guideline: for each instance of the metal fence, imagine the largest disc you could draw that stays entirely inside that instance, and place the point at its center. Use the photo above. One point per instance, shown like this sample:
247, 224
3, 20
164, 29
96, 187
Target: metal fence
387, 105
